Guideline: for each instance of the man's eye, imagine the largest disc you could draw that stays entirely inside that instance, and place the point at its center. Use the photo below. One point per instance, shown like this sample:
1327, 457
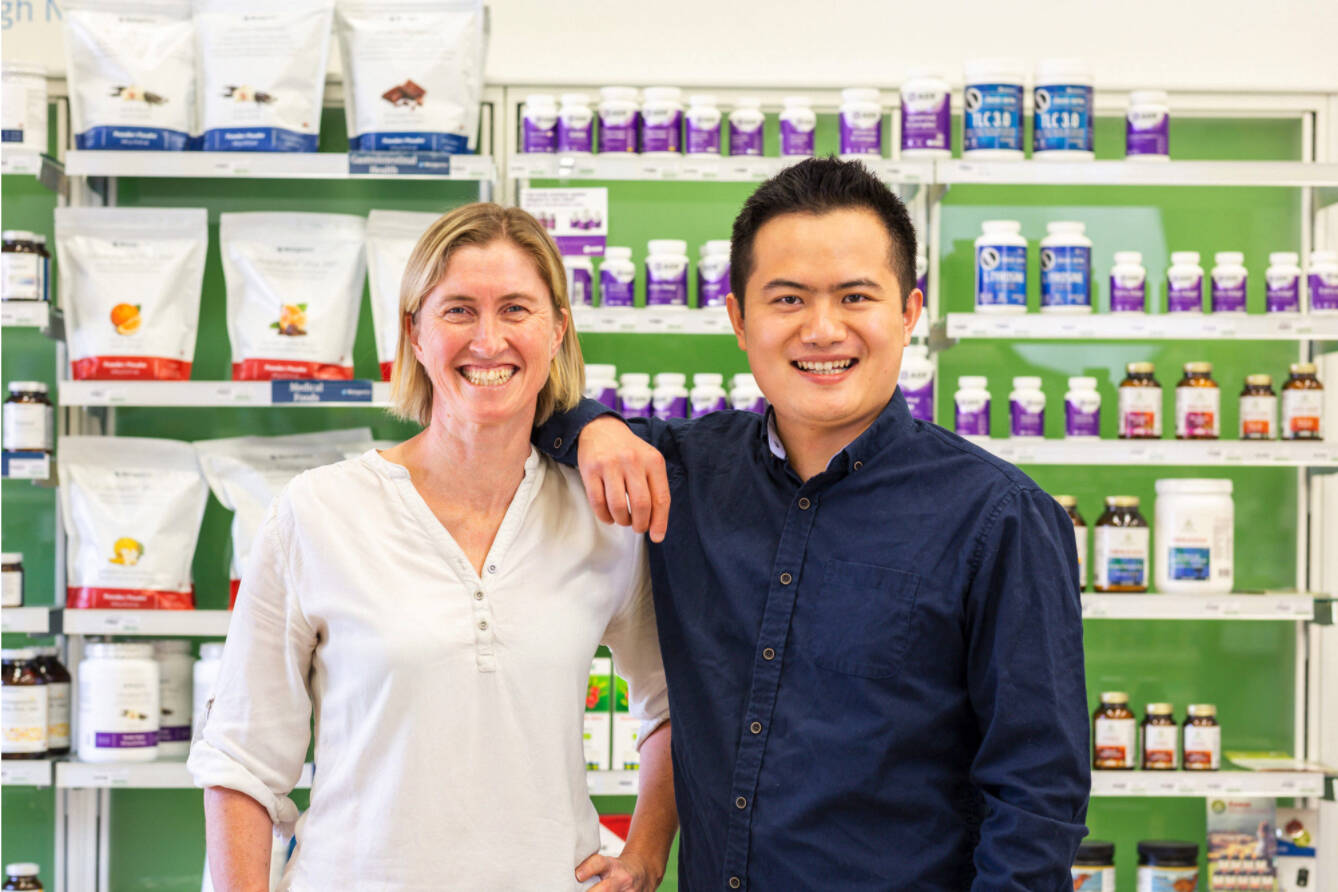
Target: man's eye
788, 299
855, 298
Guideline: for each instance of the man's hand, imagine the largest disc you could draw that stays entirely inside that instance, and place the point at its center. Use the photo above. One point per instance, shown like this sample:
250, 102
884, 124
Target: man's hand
624, 477
626, 873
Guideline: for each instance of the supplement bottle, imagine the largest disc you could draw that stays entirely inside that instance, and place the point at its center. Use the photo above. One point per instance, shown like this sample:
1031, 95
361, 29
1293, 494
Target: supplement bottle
713, 273
1147, 127
745, 127
1228, 282
634, 396
1140, 403
1303, 404
1161, 738
40, 241
29, 419
25, 106
1203, 739
176, 667
1114, 733
667, 273
580, 280
1282, 282
118, 703
992, 99
22, 877
926, 116
539, 123
669, 399
1026, 406
745, 395
1063, 114
861, 122
618, 119
1082, 410
617, 278
662, 121
1001, 268
1167, 865
1128, 283
21, 276
1121, 548
922, 276
1094, 867
1070, 506
708, 394
1184, 283
1322, 282
57, 679
702, 125
576, 124
1066, 269
204, 677
23, 706
1258, 408
916, 381
12, 576
797, 126
1198, 404
601, 384
1196, 527
972, 404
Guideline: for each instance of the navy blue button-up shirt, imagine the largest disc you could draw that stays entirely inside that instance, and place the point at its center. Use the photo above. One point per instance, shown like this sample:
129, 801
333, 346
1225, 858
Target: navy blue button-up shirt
876, 675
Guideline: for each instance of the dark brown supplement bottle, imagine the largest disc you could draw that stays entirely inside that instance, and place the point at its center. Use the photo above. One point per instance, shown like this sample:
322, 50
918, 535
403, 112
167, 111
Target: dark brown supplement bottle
1121, 547
29, 418
58, 681
1203, 738
1114, 733
1198, 404
1161, 738
1070, 506
24, 706
1303, 404
1140, 403
1258, 408
23, 877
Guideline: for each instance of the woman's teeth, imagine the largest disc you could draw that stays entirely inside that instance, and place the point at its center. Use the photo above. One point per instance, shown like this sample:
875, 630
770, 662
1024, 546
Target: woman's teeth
488, 377
825, 368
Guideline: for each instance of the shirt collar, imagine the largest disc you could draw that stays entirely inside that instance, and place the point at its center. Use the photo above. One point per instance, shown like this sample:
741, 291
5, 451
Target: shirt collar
893, 421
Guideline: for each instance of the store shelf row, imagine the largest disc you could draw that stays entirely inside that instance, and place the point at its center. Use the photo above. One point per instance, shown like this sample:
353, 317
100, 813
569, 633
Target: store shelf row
1142, 326
282, 165
1169, 453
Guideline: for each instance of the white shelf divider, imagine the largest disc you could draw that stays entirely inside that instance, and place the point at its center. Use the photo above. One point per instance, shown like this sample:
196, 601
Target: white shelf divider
1207, 783
1171, 453
690, 168
1137, 173
153, 623
192, 393
1190, 607
25, 773
25, 313
612, 783
137, 775
254, 165
32, 620
1144, 326
651, 320
17, 160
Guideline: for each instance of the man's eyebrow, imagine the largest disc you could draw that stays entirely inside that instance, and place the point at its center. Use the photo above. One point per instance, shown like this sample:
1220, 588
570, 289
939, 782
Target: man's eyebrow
859, 283
788, 285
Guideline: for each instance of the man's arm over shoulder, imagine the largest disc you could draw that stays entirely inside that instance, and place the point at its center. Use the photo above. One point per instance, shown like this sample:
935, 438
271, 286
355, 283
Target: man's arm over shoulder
1026, 683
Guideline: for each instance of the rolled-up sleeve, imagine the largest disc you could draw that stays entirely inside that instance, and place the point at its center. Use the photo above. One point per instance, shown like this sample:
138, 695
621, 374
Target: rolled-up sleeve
633, 639
257, 725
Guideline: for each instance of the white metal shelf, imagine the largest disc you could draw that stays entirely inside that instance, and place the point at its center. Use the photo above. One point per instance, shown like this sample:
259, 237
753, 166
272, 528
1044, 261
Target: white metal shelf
137, 775
25, 314
25, 773
196, 393
20, 161
1183, 453
1207, 783
651, 320
33, 620
167, 623
690, 168
1235, 607
1144, 326
256, 165
1137, 173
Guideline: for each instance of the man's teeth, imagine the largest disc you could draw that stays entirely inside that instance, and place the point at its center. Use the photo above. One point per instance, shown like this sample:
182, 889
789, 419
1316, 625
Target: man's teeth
825, 368
488, 377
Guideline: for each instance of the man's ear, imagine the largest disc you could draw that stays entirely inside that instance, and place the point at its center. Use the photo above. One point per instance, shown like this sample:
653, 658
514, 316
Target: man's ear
735, 309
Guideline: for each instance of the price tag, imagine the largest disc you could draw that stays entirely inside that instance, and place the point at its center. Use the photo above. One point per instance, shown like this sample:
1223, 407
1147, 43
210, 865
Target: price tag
1094, 608
320, 391
122, 624
109, 777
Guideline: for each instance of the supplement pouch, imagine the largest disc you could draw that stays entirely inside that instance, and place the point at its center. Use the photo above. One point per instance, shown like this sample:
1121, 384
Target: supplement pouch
132, 508
130, 285
391, 236
247, 473
262, 73
131, 70
413, 73
294, 284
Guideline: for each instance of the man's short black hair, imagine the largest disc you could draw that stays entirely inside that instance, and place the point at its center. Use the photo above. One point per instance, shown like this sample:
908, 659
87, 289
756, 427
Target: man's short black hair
818, 186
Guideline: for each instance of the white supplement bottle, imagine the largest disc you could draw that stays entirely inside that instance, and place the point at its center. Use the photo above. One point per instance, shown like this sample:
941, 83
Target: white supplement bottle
1147, 126
1322, 282
1282, 282
12, 579
972, 407
1001, 268
713, 273
1082, 410
916, 381
669, 399
1203, 738
601, 384
797, 125
861, 122
1026, 407
1128, 283
118, 703
702, 125
1196, 523
667, 273
204, 677
21, 267
1184, 283
1229, 277
24, 106
708, 394
992, 101
745, 395
576, 124
29, 419
662, 121
539, 123
617, 278
619, 119
634, 396
1063, 113
176, 667
580, 280
926, 116
1066, 268
745, 126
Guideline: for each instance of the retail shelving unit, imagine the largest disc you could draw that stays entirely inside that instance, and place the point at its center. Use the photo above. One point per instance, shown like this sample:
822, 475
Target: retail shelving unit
1169, 453
282, 165
1143, 326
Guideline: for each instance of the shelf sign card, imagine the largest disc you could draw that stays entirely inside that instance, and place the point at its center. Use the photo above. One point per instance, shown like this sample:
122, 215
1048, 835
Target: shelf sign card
399, 163
577, 219
355, 391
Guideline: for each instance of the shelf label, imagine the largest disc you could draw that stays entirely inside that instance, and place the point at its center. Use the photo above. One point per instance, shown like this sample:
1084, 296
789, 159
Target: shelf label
354, 391
122, 624
109, 777
23, 313
399, 163
27, 465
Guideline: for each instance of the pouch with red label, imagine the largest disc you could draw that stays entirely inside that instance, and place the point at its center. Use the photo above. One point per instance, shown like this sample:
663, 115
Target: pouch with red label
391, 237
294, 285
130, 282
132, 509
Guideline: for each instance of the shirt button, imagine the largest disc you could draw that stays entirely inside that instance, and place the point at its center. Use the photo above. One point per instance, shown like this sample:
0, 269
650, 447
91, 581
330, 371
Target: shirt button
755, 727
492, 568
740, 802
858, 465
786, 578
803, 504
557, 444
478, 596
483, 624
768, 653
735, 882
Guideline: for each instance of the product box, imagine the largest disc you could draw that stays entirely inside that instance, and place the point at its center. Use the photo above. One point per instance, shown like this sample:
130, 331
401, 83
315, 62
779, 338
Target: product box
626, 730
1297, 861
1241, 843
598, 715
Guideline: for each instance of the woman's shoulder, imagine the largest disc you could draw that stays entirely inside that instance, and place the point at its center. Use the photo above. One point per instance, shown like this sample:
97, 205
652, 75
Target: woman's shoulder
338, 485
568, 494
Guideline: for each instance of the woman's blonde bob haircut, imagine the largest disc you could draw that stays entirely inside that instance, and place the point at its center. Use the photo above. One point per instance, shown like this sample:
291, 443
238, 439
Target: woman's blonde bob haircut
479, 224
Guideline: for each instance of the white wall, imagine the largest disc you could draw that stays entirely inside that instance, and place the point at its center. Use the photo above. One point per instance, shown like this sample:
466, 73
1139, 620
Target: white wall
1289, 45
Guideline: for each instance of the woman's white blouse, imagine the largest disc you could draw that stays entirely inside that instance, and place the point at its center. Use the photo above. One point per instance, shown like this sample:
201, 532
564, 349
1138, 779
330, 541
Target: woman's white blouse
448, 707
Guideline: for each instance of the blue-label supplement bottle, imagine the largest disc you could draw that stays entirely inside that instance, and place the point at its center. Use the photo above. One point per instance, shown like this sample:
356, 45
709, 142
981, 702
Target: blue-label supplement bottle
992, 99
1001, 268
1066, 268
1062, 120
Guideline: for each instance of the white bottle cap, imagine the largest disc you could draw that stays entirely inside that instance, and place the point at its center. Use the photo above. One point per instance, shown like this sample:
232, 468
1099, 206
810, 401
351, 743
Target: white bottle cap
743, 379
707, 379
1027, 382
983, 71
1148, 97
797, 102
211, 651
973, 382
701, 99
673, 246
544, 99
575, 98
670, 379
617, 253
635, 379
1284, 258
747, 102
1082, 382
624, 94
715, 246
860, 94
1072, 227
11, 557
663, 94
1130, 258
1001, 226
601, 371
27, 387
1229, 258
1189, 258
1324, 256
21, 868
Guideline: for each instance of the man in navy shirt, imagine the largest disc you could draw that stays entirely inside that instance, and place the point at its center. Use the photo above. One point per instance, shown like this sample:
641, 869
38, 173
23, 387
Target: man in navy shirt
871, 628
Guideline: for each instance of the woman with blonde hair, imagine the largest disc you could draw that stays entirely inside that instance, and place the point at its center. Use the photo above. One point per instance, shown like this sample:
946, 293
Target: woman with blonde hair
436, 606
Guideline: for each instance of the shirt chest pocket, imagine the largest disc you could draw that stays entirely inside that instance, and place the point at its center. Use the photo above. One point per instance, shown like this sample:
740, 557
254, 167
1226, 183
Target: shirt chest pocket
860, 623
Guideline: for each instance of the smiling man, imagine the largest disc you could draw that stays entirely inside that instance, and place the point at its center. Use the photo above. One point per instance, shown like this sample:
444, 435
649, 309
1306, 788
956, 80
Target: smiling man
871, 628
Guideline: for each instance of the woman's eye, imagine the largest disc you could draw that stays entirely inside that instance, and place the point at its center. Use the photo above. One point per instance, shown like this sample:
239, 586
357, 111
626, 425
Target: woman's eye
456, 312
515, 308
